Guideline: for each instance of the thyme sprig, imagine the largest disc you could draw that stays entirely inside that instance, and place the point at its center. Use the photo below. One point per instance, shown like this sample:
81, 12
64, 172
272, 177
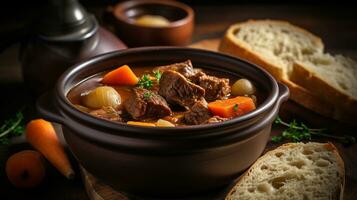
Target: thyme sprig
298, 131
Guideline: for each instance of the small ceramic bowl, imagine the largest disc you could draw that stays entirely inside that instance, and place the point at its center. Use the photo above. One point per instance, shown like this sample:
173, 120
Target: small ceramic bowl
177, 33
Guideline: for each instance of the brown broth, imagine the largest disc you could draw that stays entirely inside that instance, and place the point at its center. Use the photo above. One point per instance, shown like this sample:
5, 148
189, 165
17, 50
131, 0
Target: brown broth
76, 93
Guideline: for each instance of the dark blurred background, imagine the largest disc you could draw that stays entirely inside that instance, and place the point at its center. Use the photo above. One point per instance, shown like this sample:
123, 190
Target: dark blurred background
329, 20
335, 22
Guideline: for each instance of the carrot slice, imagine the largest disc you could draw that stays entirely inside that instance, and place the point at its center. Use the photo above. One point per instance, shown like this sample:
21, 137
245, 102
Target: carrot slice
120, 76
141, 123
232, 107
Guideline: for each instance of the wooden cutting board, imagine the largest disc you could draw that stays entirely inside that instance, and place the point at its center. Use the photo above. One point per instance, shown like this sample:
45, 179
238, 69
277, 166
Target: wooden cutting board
97, 190
208, 44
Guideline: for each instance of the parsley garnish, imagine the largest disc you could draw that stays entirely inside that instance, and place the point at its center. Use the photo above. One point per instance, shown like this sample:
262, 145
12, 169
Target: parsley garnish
147, 95
297, 132
11, 127
145, 82
235, 107
157, 75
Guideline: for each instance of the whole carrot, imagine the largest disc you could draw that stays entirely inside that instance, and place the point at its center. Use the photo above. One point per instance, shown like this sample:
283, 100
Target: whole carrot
42, 136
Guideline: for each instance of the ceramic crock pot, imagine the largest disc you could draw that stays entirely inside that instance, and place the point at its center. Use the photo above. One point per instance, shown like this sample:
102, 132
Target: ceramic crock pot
159, 161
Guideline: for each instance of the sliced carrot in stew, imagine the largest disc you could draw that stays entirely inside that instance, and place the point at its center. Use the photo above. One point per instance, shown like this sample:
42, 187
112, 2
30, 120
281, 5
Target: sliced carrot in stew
232, 107
140, 123
121, 76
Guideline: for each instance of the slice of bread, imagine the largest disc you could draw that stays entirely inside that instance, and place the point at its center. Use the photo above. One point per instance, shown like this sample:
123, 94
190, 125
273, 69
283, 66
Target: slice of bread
294, 171
275, 45
281, 48
329, 76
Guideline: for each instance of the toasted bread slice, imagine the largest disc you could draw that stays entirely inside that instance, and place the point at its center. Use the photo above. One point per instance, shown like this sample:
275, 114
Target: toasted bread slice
294, 171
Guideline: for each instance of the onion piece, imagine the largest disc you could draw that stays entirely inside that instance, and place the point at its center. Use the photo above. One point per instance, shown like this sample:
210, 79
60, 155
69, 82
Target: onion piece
102, 96
164, 123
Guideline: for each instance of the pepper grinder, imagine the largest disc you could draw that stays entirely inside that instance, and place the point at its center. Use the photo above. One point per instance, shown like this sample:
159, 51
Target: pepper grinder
64, 35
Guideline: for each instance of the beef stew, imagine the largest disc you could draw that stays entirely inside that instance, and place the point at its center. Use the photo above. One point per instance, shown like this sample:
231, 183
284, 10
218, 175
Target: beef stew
164, 96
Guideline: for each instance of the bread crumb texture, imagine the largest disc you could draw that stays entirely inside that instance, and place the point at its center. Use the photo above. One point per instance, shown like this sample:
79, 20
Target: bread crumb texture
293, 171
298, 58
280, 43
338, 71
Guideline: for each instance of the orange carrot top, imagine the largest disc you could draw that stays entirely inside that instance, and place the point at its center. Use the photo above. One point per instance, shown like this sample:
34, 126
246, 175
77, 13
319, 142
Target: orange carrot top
120, 76
232, 107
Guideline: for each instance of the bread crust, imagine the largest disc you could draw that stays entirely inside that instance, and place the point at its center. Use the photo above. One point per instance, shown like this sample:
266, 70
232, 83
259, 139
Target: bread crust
307, 99
341, 165
309, 80
231, 45
329, 146
234, 47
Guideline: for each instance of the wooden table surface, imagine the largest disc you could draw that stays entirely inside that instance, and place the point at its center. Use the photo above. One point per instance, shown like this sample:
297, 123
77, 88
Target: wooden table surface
335, 24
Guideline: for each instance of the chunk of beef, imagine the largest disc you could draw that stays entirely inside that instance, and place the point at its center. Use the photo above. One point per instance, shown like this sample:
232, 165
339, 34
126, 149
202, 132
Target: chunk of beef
198, 113
215, 88
178, 90
145, 104
196, 77
184, 68
215, 119
108, 113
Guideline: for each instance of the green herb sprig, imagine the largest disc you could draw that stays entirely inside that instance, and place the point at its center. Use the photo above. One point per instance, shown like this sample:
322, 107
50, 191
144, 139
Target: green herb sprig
12, 127
298, 132
157, 75
145, 82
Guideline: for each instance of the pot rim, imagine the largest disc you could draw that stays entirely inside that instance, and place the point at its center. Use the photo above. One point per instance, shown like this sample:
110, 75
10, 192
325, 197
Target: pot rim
66, 105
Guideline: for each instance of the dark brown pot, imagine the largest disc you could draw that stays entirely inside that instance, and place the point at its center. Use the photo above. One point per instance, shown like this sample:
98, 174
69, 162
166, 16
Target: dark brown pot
165, 161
